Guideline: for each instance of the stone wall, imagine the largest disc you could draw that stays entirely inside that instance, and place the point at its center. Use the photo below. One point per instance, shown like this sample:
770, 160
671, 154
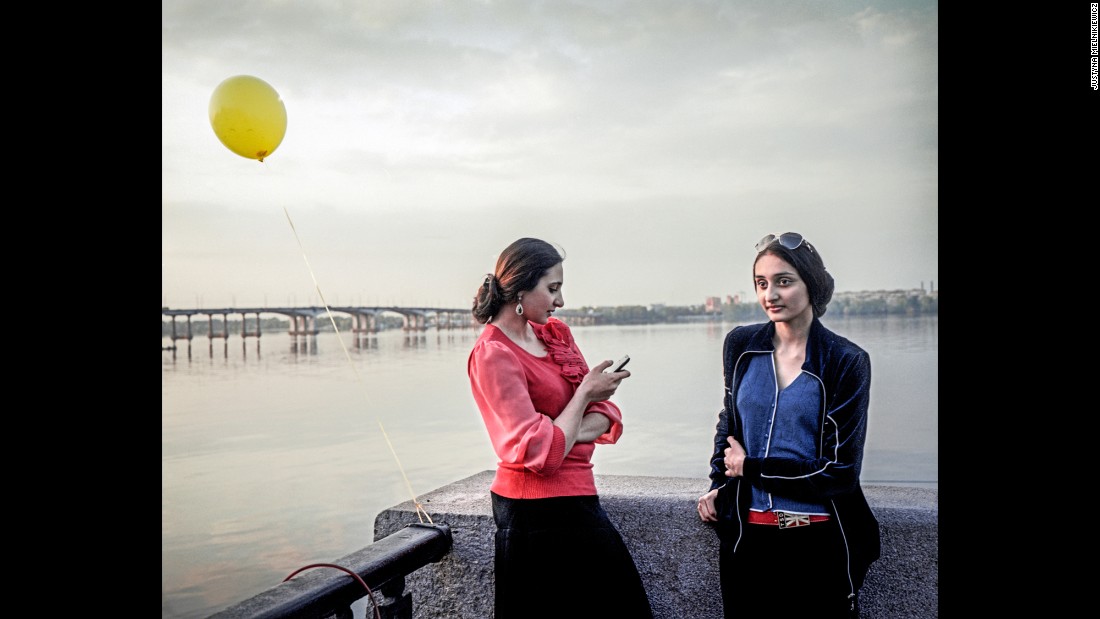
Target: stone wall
675, 552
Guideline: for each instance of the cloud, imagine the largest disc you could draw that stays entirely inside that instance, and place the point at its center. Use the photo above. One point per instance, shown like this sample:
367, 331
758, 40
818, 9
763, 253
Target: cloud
424, 135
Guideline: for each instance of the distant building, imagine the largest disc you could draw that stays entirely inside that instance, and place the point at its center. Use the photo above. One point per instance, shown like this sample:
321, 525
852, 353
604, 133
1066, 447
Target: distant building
713, 304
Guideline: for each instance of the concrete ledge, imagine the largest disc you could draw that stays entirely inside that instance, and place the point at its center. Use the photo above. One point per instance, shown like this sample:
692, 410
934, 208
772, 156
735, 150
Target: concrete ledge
675, 552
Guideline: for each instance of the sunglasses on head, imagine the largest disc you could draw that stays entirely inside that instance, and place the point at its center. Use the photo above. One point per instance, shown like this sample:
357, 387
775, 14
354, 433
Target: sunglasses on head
790, 240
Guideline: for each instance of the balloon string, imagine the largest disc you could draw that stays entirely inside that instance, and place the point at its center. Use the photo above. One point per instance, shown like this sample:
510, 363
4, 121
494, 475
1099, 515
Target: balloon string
421, 513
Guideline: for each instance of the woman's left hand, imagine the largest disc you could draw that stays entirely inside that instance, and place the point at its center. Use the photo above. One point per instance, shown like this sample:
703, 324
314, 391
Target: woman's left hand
707, 512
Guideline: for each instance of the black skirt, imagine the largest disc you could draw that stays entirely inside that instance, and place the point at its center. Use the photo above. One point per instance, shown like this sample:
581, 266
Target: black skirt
561, 557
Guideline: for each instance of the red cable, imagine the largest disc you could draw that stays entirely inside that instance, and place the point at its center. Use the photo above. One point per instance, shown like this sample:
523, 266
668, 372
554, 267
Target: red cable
374, 602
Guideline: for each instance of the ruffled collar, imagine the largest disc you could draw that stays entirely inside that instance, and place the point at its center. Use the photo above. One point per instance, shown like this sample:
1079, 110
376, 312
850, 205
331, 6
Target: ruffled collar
558, 339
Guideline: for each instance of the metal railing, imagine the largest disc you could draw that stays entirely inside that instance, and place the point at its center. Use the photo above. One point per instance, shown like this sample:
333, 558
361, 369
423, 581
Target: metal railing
325, 593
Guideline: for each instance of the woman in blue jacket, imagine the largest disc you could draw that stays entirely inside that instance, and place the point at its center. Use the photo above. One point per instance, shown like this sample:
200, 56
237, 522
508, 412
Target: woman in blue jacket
796, 535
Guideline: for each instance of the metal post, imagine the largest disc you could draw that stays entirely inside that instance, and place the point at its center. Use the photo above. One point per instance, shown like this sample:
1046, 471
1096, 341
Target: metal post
395, 604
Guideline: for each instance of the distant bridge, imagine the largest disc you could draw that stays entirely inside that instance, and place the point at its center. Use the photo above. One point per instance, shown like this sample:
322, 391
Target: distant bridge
303, 320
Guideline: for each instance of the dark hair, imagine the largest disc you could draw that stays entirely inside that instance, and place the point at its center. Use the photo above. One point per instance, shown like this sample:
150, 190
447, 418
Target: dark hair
810, 267
519, 268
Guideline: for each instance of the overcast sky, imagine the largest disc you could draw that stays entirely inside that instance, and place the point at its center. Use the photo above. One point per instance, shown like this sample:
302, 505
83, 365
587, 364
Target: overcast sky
655, 141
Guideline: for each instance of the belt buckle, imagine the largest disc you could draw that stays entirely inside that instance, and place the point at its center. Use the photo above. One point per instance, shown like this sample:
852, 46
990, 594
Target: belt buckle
788, 520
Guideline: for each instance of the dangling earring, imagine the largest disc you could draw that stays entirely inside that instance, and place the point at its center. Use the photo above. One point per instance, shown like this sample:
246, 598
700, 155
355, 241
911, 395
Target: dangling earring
519, 307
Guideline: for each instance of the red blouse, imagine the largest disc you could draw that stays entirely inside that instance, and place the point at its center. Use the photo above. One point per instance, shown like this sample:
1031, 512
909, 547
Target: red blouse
519, 395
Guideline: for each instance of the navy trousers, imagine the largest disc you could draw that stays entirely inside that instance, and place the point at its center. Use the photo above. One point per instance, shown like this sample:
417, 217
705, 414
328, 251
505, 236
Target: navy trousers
794, 572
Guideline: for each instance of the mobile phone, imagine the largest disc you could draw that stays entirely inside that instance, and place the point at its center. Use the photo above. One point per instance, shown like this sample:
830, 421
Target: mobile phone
618, 365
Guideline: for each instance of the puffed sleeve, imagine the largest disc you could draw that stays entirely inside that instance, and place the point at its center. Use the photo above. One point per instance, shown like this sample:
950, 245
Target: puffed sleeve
608, 409
520, 434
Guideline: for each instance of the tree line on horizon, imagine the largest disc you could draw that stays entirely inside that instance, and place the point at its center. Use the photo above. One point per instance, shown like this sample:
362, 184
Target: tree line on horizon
879, 303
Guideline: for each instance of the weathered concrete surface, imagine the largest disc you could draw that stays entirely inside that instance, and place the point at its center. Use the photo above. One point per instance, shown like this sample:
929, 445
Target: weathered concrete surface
675, 552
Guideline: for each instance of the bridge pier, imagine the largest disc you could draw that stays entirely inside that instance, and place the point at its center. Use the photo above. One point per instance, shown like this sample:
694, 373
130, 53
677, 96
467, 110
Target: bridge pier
364, 323
225, 328
187, 336
416, 322
245, 333
301, 324
451, 320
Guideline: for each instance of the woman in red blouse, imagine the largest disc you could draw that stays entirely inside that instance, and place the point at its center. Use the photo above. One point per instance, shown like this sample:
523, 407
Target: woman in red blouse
557, 553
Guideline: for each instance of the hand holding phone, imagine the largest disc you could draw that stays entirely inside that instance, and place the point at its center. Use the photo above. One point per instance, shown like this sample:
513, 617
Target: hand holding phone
619, 365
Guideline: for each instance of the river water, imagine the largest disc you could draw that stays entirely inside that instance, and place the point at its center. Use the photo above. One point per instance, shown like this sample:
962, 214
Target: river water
280, 452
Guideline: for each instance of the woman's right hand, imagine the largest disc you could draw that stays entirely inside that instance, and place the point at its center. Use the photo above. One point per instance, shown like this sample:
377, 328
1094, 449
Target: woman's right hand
596, 386
735, 458
599, 385
705, 507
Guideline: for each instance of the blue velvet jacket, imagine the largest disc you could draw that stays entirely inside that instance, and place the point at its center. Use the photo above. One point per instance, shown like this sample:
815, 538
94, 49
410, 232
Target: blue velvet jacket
843, 370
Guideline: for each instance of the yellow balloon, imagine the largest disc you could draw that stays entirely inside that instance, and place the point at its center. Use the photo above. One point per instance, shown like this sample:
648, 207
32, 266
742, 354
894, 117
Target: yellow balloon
248, 116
